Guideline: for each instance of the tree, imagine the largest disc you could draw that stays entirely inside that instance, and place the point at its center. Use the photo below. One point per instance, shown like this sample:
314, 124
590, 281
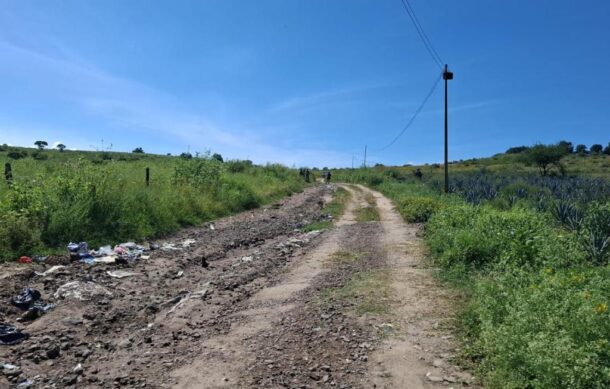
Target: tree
567, 145
61, 147
545, 157
138, 150
217, 157
517, 150
581, 149
596, 149
41, 144
607, 149
186, 155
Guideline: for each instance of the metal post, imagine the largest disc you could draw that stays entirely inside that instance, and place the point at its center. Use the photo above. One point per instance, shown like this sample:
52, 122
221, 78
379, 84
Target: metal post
447, 75
364, 156
147, 176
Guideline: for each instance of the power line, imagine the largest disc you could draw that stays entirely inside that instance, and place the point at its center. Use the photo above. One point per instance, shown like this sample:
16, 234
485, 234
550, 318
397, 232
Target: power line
422, 34
414, 115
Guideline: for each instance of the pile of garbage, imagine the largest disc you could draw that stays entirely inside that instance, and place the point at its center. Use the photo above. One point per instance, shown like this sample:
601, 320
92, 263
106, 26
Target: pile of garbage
29, 300
122, 253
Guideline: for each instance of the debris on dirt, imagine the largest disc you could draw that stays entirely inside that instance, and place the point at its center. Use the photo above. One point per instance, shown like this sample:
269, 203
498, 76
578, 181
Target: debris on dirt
26, 298
24, 259
9, 334
51, 270
120, 273
83, 291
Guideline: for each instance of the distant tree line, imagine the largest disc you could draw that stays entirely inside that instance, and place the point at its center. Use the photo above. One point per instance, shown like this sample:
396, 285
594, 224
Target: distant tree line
569, 148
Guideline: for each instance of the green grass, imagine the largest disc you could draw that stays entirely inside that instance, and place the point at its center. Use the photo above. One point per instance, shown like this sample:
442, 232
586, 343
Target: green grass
368, 292
102, 198
334, 208
367, 214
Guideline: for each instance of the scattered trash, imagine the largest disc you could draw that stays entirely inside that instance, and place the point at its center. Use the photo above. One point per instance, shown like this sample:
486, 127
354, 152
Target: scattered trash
105, 259
10, 370
25, 384
247, 259
87, 258
188, 242
37, 309
179, 274
11, 335
145, 257
170, 247
120, 274
154, 246
78, 248
212, 227
83, 291
26, 298
29, 300
52, 270
24, 259
39, 258
105, 251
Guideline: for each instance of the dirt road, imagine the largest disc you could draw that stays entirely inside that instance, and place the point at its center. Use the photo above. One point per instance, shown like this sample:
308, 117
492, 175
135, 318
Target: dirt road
249, 301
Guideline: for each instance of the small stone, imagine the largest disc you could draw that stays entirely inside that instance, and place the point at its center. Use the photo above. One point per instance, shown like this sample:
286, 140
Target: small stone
78, 369
438, 363
53, 352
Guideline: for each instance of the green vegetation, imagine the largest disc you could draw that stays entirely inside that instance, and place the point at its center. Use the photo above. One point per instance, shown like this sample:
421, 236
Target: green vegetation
531, 254
368, 291
367, 214
102, 197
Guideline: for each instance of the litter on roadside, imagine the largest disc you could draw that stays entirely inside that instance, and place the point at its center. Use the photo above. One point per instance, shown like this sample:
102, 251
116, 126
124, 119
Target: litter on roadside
24, 259
120, 274
50, 271
26, 298
29, 300
9, 334
83, 291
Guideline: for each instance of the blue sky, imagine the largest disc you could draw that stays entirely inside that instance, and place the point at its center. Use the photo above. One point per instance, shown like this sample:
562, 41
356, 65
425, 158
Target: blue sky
302, 82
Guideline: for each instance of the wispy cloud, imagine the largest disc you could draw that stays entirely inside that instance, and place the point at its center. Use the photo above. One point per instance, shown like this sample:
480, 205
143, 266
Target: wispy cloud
144, 109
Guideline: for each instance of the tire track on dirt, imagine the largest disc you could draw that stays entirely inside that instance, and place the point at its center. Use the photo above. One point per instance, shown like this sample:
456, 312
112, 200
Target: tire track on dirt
224, 365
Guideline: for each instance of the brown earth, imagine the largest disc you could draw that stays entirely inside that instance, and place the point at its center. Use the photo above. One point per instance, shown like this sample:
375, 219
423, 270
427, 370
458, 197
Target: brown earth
355, 306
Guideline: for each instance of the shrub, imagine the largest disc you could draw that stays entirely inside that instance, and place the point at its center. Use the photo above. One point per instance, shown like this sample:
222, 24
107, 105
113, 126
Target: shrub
544, 330
487, 238
418, 209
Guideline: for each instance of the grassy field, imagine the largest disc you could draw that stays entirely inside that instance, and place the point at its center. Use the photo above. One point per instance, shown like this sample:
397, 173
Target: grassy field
530, 253
102, 197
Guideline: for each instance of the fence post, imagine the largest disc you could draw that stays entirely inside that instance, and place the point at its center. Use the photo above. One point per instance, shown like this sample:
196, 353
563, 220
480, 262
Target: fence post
8, 174
147, 176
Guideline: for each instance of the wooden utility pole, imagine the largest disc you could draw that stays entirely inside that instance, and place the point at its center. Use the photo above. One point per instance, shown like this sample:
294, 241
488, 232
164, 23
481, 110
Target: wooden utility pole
447, 75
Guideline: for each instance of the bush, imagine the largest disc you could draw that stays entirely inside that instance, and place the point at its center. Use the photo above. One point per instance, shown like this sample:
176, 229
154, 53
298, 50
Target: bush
545, 330
487, 238
418, 209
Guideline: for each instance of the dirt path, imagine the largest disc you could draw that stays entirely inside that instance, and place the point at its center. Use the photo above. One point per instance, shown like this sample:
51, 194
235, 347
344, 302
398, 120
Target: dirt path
251, 301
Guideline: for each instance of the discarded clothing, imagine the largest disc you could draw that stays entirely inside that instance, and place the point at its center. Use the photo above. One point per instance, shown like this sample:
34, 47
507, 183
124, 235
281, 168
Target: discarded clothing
26, 298
29, 300
79, 248
11, 335
24, 259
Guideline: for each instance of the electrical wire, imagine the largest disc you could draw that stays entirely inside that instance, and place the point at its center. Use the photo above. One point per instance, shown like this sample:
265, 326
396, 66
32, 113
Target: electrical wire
417, 112
422, 34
